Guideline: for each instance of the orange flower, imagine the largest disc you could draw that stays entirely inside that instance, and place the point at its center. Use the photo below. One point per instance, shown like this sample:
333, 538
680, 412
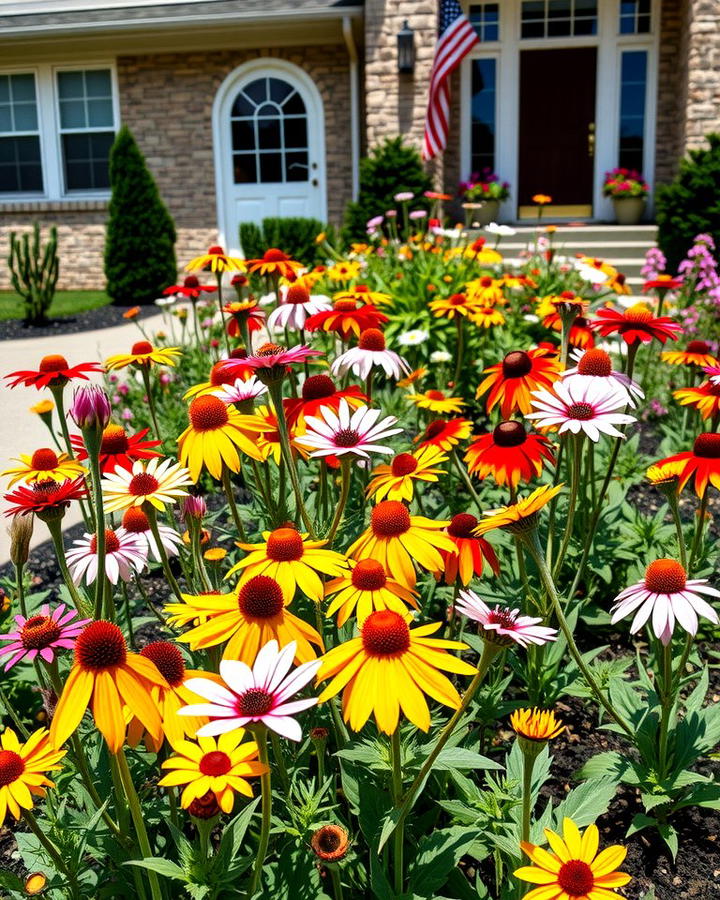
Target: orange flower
509, 454
466, 558
541, 199
511, 381
445, 433
697, 353
274, 262
705, 398
132, 313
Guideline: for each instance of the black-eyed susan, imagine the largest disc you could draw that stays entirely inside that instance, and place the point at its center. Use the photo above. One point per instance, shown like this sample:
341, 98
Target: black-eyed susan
215, 434
390, 667
509, 454
445, 433
108, 678
247, 619
454, 306
574, 870
221, 766
44, 465
361, 293
666, 475
510, 383
344, 271
216, 260
470, 552
156, 482
275, 263
437, 402
292, 560
536, 724
143, 355
395, 481
486, 291
398, 540
366, 588
521, 516
487, 317
23, 769
696, 353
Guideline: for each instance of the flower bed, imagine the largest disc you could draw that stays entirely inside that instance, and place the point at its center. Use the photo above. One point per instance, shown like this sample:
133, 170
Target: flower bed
396, 579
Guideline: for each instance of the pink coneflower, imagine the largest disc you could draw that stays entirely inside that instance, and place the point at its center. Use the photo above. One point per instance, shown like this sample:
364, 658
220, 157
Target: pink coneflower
667, 595
503, 625
260, 694
296, 307
596, 364
272, 356
371, 351
134, 521
581, 408
241, 391
713, 373
346, 432
125, 554
42, 634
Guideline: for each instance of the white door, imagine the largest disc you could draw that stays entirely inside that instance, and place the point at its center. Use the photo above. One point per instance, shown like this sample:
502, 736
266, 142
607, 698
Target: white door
269, 147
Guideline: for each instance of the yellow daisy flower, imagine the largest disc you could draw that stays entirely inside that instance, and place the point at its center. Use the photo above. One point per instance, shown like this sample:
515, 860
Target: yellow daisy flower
520, 516
398, 540
367, 587
247, 619
44, 465
216, 260
389, 668
394, 481
574, 868
143, 354
215, 433
487, 317
292, 560
23, 768
193, 610
347, 270
536, 724
221, 765
437, 402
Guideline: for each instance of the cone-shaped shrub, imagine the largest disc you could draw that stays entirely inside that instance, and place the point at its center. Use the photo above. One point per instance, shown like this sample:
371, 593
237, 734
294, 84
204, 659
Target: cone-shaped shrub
140, 240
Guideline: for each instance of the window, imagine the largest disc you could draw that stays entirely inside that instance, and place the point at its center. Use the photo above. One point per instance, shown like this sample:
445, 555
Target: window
633, 81
20, 160
87, 128
485, 19
482, 121
558, 18
269, 133
634, 16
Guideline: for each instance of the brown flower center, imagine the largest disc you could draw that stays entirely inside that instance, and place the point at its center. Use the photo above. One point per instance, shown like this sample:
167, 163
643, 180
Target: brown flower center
435, 428
697, 347
11, 767
330, 842
390, 518
595, 362
275, 255
707, 445
254, 702
269, 349
435, 395
143, 484
403, 464
260, 598
345, 305
208, 413
112, 542
114, 440
135, 521
318, 387
100, 646
141, 347
462, 525
347, 437
385, 633
372, 339
665, 576
168, 660
576, 878
297, 293
581, 411
509, 434
516, 364
53, 363
39, 632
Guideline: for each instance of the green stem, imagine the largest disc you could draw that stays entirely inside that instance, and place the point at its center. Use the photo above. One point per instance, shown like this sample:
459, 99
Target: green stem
344, 490
490, 651
13, 715
280, 761
666, 706
574, 487
55, 529
149, 510
145, 370
399, 836
460, 348
20, 588
275, 390
227, 487
336, 882
675, 510
266, 787
52, 851
138, 820
219, 276
466, 479
94, 460
699, 528
528, 766
532, 544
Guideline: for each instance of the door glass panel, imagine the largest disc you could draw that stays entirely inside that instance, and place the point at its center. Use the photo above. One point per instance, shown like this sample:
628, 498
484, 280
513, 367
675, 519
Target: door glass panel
633, 89
558, 18
483, 115
269, 132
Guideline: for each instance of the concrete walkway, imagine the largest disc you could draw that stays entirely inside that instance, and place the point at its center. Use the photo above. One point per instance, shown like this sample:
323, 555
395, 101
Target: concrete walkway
24, 432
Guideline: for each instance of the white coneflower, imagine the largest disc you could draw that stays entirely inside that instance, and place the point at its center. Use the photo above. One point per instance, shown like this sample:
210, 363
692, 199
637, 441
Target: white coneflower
370, 352
125, 554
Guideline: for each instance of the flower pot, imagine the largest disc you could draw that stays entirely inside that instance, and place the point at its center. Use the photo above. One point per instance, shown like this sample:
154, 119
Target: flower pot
629, 210
482, 212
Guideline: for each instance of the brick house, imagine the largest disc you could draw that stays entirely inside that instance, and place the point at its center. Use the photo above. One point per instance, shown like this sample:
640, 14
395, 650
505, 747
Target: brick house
247, 108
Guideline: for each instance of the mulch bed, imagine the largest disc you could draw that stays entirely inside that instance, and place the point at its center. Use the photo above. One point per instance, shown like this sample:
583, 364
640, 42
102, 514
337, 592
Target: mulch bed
102, 317
694, 876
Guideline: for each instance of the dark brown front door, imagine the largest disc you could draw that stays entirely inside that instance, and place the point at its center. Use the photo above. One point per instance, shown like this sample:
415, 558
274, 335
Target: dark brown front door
557, 116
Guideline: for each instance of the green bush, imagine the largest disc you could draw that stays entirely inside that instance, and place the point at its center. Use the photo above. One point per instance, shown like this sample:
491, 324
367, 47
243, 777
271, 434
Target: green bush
140, 241
690, 205
392, 167
293, 235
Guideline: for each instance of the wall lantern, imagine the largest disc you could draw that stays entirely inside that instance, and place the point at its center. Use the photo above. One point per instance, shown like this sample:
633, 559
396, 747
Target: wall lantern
406, 49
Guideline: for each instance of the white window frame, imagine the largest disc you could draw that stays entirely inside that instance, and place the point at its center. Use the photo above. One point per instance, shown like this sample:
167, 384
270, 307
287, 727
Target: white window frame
39, 133
610, 44
48, 109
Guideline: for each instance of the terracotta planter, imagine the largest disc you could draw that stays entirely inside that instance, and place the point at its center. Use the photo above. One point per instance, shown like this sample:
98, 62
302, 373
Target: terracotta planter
629, 210
482, 213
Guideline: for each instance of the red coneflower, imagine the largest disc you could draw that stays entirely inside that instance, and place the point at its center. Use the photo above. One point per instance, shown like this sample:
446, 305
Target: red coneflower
445, 433
53, 371
636, 324
274, 262
347, 317
703, 462
118, 449
466, 558
512, 381
662, 283
190, 288
509, 454
46, 499
319, 392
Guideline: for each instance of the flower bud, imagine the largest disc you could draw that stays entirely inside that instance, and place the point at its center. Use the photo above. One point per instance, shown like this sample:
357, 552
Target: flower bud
330, 843
205, 807
20, 532
194, 508
90, 408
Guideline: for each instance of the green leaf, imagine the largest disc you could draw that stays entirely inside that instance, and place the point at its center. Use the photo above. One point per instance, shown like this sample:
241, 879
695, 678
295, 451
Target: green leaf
437, 854
462, 759
161, 866
234, 833
609, 764
587, 802
10, 881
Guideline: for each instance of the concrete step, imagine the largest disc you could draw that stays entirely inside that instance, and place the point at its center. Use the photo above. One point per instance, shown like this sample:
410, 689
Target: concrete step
595, 249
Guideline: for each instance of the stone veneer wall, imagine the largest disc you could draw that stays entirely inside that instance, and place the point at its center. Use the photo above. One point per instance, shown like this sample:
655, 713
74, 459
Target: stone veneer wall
166, 100
702, 59
671, 89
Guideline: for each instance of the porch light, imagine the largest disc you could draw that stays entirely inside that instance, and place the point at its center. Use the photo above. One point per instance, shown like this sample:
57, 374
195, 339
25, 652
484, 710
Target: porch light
406, 49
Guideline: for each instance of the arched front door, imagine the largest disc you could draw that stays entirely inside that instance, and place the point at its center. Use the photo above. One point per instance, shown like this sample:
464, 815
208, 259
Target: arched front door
269, 146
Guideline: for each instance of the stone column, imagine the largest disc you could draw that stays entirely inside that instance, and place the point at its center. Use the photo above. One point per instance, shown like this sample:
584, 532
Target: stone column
703, 71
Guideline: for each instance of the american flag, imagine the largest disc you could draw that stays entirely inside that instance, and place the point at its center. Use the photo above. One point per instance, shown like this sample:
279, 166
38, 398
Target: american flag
455, 40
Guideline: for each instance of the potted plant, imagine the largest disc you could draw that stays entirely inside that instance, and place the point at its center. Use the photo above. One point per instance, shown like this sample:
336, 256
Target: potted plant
628, 191
482, 195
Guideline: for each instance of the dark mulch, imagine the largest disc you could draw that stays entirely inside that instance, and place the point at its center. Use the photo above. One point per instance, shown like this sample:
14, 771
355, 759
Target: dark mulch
102, 317
694, 876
